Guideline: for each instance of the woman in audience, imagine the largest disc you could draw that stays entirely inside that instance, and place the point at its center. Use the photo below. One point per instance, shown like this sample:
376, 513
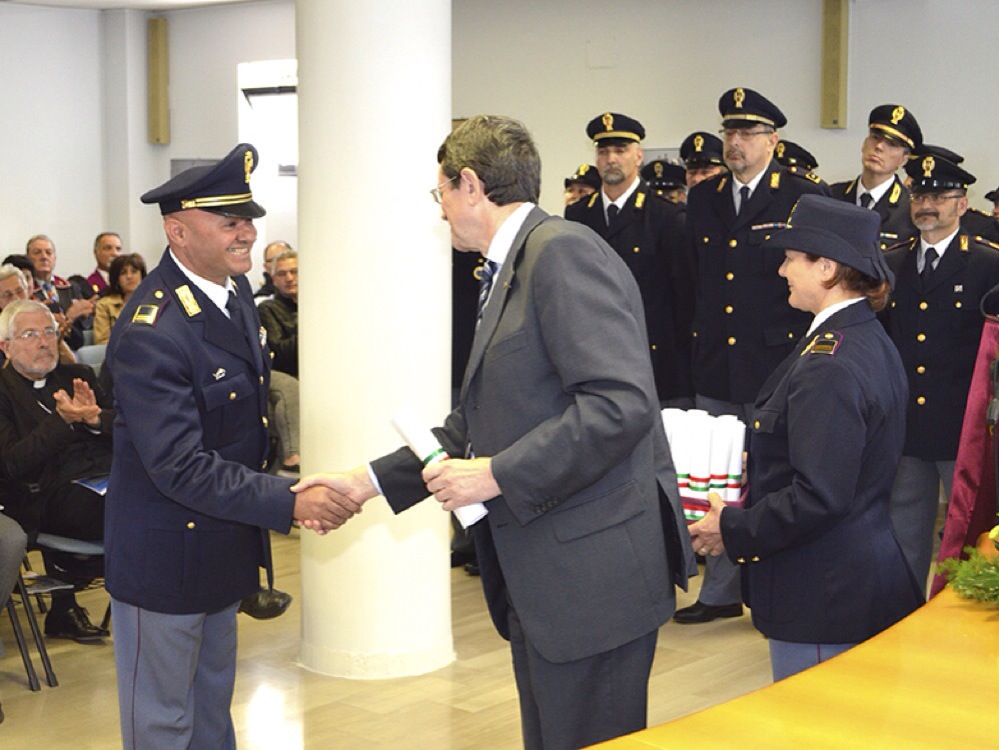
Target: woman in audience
823, 566
127, 272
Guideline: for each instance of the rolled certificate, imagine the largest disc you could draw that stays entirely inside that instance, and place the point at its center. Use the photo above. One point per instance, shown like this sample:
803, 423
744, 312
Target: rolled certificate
429, 450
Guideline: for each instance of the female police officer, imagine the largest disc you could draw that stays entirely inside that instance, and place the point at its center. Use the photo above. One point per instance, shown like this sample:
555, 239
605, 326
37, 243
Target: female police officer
822, 569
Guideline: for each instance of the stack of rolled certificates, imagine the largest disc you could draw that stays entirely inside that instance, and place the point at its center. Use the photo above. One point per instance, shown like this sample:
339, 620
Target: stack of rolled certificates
707, 453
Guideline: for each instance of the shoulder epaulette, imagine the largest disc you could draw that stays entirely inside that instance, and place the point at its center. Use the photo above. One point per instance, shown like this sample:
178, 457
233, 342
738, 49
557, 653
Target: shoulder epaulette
980, 212
824, 343
812, 177
907, 244
987, 242
146, 314
593, 199
850, 187
721, 184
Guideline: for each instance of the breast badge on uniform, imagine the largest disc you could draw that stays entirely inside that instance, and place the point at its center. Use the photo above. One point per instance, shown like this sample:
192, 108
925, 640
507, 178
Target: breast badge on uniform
219, 373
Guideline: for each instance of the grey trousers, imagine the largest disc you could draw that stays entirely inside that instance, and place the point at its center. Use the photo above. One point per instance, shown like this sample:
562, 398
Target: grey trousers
722, 582
788, 658
13, 541
175, 678
915, 497
579, 703
283, 397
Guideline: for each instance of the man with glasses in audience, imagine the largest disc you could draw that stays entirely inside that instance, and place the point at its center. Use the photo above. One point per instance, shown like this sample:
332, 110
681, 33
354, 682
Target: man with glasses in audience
934, 320
55, 431
893, 135
743, 325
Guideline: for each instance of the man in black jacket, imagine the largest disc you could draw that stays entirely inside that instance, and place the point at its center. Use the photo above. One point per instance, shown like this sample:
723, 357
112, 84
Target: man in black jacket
279, 317
55, 431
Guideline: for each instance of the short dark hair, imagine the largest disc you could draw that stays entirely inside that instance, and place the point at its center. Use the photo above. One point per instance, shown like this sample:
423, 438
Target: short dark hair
501, 153
21, 261
130, 260
876, 292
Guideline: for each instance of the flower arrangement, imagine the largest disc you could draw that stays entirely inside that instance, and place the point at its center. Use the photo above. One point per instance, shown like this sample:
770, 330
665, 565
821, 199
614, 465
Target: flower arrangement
977, 577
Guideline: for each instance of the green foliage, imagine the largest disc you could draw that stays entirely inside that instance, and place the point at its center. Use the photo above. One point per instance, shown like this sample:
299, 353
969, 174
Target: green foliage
975, 578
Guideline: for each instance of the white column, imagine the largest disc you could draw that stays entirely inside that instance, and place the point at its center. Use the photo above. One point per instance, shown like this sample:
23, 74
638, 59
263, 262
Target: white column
374, 105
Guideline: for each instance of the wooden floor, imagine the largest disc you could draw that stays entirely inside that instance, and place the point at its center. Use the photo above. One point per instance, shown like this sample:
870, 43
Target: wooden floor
471, 704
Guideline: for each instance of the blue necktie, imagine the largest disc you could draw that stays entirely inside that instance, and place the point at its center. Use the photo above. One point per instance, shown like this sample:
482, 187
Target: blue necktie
489, 269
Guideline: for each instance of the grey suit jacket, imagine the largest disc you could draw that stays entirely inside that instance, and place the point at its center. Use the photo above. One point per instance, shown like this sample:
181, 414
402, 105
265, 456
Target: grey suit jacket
587, 539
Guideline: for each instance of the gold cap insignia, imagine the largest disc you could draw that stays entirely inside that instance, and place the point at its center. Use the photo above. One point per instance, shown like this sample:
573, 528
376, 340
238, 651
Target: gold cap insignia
780, 149
583, 169
897, 114
187, 300
698, 143
248, 165
146, 314
658, 169
608, 121
739, 96
928, 164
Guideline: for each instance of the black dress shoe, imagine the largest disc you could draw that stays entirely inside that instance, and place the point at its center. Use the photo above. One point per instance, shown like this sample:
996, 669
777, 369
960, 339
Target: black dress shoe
472, 568
706, 613
73, 623
266, 604
460, 558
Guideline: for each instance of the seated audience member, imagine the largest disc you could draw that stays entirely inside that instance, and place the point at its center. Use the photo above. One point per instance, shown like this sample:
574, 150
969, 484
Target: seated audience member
273, 250
107, 247
26, 268
59, 295
279, 316
13, 287
126, 273
55, 429
13, 542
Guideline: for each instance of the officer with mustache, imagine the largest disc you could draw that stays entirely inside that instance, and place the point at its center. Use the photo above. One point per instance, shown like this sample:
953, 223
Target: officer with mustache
935, 322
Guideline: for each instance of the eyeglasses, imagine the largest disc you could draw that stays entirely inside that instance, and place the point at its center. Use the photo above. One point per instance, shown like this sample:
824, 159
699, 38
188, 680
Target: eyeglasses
934, 199
739, 134
436, 192
31, 335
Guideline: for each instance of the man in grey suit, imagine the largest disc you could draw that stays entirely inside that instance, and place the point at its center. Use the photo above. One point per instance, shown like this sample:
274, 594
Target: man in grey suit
558, 422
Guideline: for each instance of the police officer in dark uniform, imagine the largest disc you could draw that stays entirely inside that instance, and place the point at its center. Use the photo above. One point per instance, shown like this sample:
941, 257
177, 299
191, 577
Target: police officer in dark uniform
743, 326
892, 136
993, 197
647, 233
822, 568
582, 183
188, 507
702, 154
668, 181
798, 161
975, 222
935, 322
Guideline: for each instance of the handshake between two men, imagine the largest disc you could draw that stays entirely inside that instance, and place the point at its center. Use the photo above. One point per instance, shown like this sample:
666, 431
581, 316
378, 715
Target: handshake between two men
325, 502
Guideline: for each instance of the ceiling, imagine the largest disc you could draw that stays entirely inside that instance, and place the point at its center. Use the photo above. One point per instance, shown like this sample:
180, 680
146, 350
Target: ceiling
123, 4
